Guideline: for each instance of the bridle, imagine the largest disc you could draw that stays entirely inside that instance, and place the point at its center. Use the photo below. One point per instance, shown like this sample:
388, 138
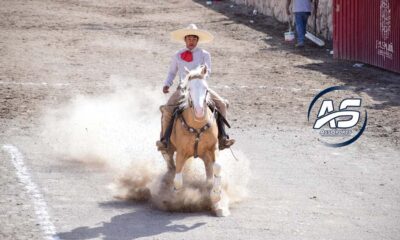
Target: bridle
190, 101
197, 131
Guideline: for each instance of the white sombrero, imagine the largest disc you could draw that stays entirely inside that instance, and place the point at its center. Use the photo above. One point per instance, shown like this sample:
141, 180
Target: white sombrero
204, 36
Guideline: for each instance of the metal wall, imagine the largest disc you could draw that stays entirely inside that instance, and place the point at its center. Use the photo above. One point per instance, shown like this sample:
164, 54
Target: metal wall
367, 31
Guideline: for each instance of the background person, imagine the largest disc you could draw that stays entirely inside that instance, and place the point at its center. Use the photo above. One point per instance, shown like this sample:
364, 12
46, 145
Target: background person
302, 10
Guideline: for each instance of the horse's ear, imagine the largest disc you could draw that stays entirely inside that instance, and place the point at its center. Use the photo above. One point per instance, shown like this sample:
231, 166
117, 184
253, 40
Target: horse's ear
187, 70
204, 70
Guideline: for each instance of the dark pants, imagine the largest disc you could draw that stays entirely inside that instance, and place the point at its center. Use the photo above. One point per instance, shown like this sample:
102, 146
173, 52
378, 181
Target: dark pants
301, 25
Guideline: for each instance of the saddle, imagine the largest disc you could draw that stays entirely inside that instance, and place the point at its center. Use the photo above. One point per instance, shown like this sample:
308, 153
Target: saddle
221, 121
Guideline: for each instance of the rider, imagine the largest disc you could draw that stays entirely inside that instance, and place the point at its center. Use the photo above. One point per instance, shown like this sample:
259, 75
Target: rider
189, 57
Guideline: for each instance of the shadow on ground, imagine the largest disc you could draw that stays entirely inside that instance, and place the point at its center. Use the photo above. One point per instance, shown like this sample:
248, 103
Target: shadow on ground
143, 222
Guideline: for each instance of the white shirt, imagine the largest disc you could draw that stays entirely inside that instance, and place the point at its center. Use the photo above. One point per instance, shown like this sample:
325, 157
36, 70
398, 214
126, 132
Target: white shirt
200, 57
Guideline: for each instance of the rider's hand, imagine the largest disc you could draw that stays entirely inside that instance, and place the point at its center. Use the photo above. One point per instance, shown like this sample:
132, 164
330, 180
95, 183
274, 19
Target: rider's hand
165, 89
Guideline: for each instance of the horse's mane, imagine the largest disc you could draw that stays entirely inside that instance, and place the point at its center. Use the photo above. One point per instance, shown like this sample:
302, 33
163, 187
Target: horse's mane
184, 101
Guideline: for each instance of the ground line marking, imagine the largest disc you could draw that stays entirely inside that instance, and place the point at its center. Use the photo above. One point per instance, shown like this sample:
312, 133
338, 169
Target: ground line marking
32, 189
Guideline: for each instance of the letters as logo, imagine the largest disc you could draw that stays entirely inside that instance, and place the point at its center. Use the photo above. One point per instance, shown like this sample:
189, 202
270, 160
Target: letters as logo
349, 118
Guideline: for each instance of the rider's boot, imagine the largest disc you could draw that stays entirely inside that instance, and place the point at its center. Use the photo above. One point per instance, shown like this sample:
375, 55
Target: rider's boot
225, 142
165, 120
223, 139
161, 145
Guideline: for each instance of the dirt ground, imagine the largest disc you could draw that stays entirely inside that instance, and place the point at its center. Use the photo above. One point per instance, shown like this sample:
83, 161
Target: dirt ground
52, 51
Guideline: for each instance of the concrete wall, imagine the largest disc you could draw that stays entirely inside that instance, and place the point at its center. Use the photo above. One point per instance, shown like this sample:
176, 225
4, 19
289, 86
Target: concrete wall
277, 9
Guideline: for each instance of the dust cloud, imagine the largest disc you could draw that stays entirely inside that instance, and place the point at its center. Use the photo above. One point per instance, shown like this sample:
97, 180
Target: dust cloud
118, 130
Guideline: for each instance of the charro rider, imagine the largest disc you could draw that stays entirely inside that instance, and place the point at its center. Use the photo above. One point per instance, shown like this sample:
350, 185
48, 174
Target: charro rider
190, 58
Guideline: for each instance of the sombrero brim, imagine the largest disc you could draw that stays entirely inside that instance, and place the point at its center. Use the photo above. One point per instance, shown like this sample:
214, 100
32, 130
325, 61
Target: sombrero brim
204, 36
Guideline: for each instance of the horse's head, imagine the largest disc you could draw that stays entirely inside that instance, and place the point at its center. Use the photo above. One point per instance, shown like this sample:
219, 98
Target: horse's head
198, 89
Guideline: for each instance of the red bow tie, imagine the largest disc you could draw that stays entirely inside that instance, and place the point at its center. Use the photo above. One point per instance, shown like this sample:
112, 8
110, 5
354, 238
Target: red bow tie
187, 56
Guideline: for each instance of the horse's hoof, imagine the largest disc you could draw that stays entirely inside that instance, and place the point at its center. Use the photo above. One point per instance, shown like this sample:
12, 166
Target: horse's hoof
221, 208
177, 187
222, 212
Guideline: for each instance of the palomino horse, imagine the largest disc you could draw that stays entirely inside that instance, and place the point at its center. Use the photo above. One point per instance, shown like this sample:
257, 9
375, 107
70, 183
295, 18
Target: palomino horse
195, 134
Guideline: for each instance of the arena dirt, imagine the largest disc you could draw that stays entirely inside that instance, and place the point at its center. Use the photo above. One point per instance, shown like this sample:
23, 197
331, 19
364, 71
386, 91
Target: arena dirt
60, 59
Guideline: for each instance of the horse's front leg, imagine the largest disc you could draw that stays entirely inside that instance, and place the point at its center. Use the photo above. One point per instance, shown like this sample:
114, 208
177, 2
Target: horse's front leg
220, 203
178, 180
213, 173
209, 160
216, 191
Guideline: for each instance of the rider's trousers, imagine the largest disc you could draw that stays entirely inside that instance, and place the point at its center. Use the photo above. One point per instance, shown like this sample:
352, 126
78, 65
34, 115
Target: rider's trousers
173, 101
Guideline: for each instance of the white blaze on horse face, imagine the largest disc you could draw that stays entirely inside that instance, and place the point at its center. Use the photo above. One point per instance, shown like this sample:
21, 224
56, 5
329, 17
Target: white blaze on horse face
198, 91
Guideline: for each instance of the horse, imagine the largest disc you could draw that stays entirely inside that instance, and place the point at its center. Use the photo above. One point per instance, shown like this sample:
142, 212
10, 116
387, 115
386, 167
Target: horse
195, 134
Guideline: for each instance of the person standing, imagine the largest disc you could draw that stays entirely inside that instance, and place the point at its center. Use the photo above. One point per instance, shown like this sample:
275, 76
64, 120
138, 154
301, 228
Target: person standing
302, 10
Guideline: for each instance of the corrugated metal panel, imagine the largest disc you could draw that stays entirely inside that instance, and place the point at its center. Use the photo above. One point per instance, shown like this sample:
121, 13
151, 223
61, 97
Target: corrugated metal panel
368, 32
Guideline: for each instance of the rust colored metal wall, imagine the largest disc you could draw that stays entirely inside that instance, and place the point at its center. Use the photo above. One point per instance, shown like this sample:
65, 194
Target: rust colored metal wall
368, 31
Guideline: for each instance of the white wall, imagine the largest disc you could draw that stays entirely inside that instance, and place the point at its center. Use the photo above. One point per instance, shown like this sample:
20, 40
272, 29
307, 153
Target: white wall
277, 9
